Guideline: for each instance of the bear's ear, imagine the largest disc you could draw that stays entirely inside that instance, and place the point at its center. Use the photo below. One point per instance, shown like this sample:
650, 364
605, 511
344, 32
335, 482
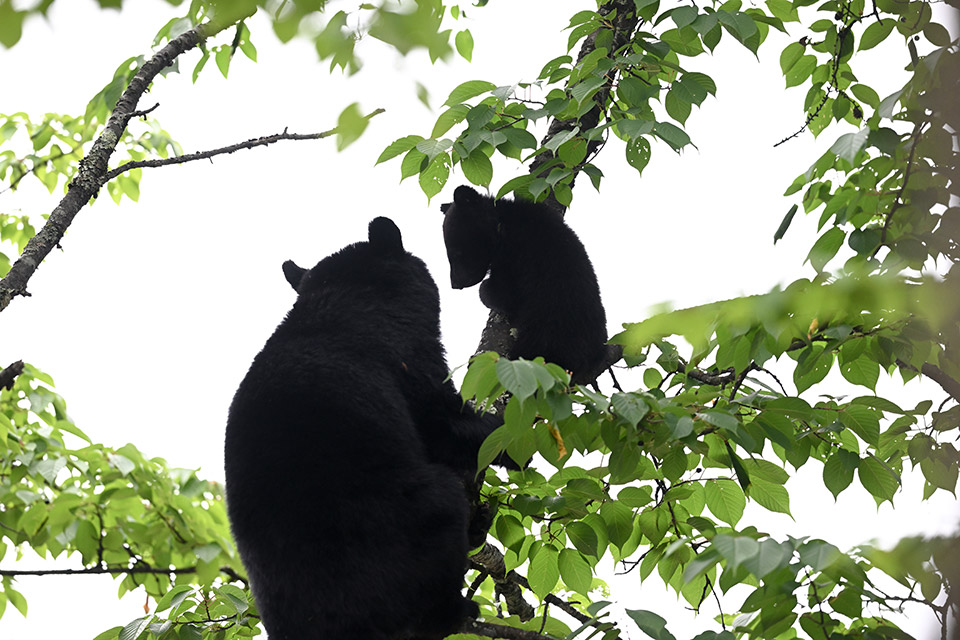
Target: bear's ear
293, 274
466, 196
384, 235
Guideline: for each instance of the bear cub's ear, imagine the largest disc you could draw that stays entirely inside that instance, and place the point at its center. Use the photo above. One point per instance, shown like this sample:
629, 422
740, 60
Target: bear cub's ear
466, 196
293, 274
384, 235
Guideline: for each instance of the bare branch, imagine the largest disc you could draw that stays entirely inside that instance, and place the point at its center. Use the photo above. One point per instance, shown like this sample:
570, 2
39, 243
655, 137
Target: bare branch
94, 166
114, 570
202, 155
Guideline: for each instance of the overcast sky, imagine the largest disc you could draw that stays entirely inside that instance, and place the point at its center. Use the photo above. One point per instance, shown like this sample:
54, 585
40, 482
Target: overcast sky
151, 313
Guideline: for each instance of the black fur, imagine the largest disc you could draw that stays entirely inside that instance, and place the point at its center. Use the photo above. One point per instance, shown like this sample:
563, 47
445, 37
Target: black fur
540, 278
346, 453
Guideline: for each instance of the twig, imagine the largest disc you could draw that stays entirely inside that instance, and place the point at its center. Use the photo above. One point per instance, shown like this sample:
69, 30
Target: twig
202, 155
898, 199
740, 378
93, 167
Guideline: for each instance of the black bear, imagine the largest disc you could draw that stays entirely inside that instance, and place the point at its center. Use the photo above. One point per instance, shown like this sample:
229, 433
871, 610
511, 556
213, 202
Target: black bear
540, 278
346, 451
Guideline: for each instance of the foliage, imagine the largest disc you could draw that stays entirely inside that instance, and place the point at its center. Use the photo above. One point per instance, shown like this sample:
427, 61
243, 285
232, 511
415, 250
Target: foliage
656, 477
122, 513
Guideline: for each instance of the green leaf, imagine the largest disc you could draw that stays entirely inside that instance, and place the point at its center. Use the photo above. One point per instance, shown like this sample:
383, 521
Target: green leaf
725, 500
736, 549
11, 24
174, 597
135, 629
650, 623
583, 537
863, 421
630, 407
448, 118
875, 33
770, 496
222, 57
838, 471
866, 94
800, 70
575, 571
464, 43
819, 555
790, 55
825, 248
587, 88
544, 571
619, 521
520, 138
785, 223
863, 371
401, 145
477, 168
435, 175
878, 479
849, 145
677, 107
937, 34
467, 90
234, 597
672, 135
17, 600
638, 153
350, 125
518, 377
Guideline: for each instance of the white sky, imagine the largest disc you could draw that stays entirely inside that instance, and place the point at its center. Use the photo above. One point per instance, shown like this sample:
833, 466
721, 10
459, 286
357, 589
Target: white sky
149, 317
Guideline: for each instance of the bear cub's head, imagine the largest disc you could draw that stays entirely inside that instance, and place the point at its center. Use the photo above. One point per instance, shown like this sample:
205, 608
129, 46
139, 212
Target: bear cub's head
470, 234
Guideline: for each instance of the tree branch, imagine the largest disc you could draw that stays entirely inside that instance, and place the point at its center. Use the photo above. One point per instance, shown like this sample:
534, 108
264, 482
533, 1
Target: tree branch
898, 199
936, 374
490, 559
249, 144
94, 166
496, 335
623, 24
114, 570
8, 375
489, 630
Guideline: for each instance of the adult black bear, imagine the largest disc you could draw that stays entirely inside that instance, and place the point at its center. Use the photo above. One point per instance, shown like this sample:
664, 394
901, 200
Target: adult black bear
540, 278
345, 454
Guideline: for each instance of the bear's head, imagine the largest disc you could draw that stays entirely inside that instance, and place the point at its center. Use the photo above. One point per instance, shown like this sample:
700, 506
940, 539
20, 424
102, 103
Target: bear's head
372, 275
470, 235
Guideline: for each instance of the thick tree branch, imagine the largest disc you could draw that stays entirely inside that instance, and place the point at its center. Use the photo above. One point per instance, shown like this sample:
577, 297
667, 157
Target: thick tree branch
490, 560
249, 144
496, 335
623, 25
488, 630
936, 374
94, 166
8, 375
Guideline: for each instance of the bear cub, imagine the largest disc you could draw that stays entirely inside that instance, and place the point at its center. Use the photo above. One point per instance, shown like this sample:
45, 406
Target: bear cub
347, 452
540, 278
